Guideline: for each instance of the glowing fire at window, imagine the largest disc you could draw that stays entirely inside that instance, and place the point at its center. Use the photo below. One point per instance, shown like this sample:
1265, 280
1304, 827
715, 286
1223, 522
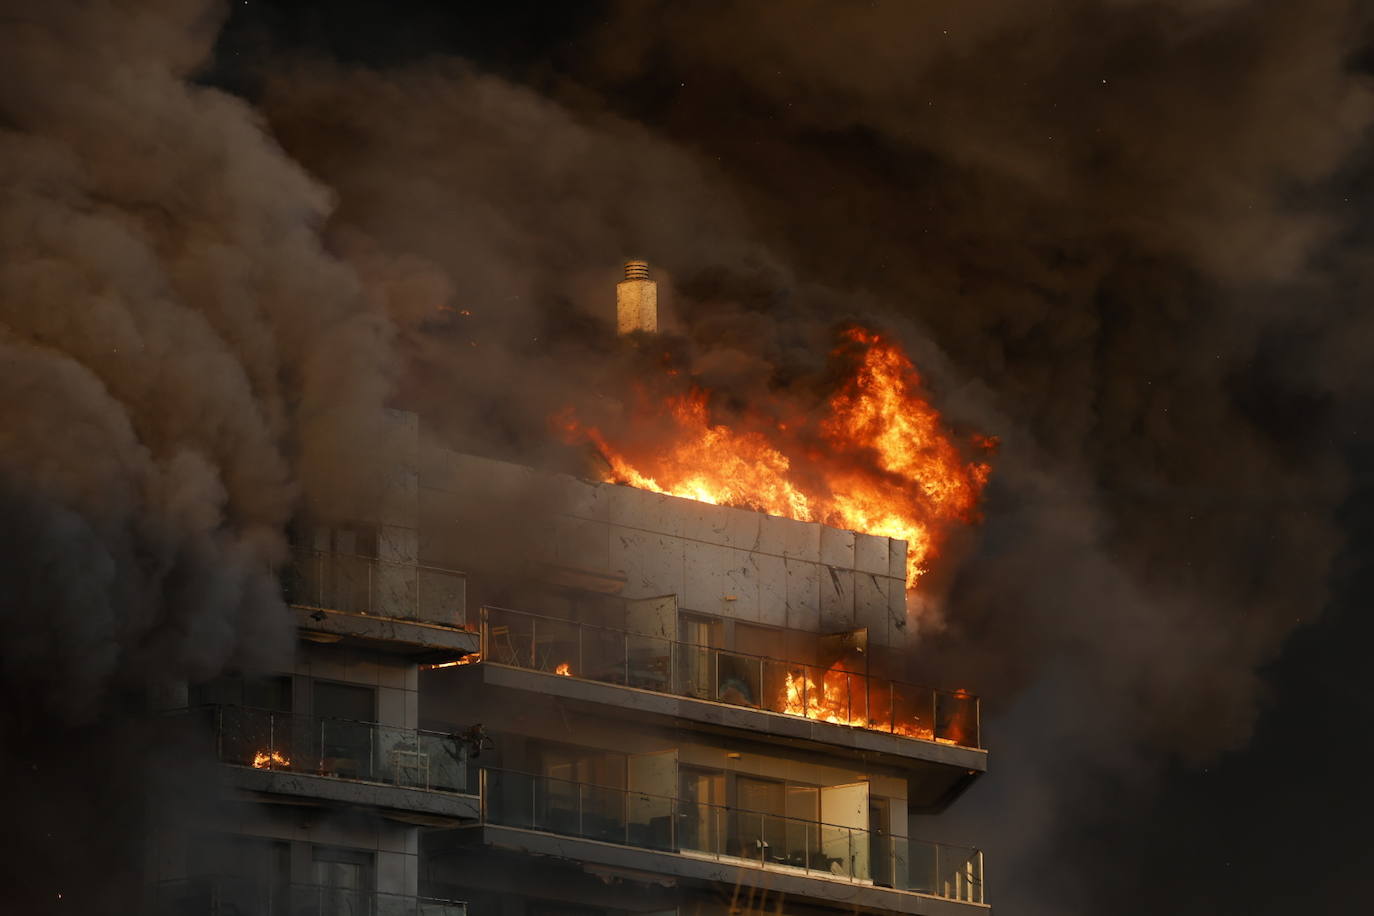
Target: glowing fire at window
876, 457
563, 670
845, 698
267, 760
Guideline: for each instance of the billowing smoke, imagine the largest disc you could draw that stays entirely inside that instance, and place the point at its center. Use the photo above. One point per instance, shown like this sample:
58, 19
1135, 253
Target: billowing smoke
1111, 233
492, 221
1127, 226
184, 368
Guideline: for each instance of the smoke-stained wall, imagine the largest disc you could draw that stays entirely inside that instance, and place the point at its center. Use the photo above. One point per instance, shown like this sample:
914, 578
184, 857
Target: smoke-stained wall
715, 560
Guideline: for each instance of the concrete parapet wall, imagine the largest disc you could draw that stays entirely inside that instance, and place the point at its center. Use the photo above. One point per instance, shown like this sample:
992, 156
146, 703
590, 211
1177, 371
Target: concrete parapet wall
716, 559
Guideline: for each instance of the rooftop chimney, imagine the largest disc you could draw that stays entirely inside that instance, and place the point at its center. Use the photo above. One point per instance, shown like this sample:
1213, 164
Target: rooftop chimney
636, 300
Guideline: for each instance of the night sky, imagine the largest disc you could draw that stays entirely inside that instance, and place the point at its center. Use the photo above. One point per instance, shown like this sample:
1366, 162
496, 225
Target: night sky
1129, 238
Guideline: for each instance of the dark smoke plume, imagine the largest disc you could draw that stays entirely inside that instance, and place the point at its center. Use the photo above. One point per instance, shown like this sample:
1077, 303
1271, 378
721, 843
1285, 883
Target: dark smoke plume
1111, 233
182, 367
1123, 223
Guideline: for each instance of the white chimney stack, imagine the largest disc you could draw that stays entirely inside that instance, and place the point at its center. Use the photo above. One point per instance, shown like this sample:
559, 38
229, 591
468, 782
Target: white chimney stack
636, 300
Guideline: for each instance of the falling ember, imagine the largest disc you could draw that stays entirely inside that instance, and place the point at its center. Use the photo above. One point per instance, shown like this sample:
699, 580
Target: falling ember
563, 670
472, 658
268, 760
880, 459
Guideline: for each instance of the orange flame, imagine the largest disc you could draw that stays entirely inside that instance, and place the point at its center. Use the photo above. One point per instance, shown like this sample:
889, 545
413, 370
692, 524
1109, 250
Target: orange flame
880, 460
843, 697
563, 670
472, 658
267, 760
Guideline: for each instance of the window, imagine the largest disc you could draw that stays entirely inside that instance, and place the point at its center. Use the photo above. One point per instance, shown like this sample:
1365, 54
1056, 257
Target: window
802, 832
273, 693
345, 701
803, 802
696, 630
761, 829
882, 851
346, 736
246, 874
778, 821
343, 879
697, 635
588, 766
583, 792
702, 811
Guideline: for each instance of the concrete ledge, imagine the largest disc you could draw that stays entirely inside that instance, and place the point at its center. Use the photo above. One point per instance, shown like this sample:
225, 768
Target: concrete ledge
727, 873
893, 748
430, 807
406, 637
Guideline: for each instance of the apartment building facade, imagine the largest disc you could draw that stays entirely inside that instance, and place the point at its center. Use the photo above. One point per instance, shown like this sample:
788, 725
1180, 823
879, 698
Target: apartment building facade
322, 780
522, 693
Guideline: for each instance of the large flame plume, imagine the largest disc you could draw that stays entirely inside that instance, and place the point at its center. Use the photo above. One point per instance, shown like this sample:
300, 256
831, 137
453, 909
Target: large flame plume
843, 697
876, 457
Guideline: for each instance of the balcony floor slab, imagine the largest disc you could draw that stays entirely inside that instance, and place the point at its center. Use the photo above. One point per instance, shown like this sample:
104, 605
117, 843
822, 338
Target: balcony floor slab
659, 867
420, 806
428, 641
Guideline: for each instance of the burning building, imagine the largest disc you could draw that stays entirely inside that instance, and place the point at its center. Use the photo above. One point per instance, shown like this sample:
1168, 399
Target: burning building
594, 698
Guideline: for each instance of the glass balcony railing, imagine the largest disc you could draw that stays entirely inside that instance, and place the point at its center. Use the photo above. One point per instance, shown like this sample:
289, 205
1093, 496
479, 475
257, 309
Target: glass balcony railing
367, 585
339, 748
231, 896
611, 656
750, 838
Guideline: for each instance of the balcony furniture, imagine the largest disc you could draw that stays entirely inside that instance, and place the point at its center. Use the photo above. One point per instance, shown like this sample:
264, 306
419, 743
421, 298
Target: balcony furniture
410, 761
502, 647
544, 655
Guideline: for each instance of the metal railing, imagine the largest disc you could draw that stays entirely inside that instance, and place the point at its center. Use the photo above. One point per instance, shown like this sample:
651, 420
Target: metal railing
613, 656
221, 895
381, 588
749, 838
339, 748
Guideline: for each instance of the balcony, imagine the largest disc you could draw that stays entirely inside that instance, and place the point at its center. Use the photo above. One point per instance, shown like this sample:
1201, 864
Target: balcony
360, 763
402, 607
229, 896
932, 735
610, 656
693, 841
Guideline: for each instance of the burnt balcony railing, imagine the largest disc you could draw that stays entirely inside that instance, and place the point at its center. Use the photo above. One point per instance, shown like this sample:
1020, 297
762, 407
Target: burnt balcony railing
748, 838
339, 748
380, 588
612, 656
221, 895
